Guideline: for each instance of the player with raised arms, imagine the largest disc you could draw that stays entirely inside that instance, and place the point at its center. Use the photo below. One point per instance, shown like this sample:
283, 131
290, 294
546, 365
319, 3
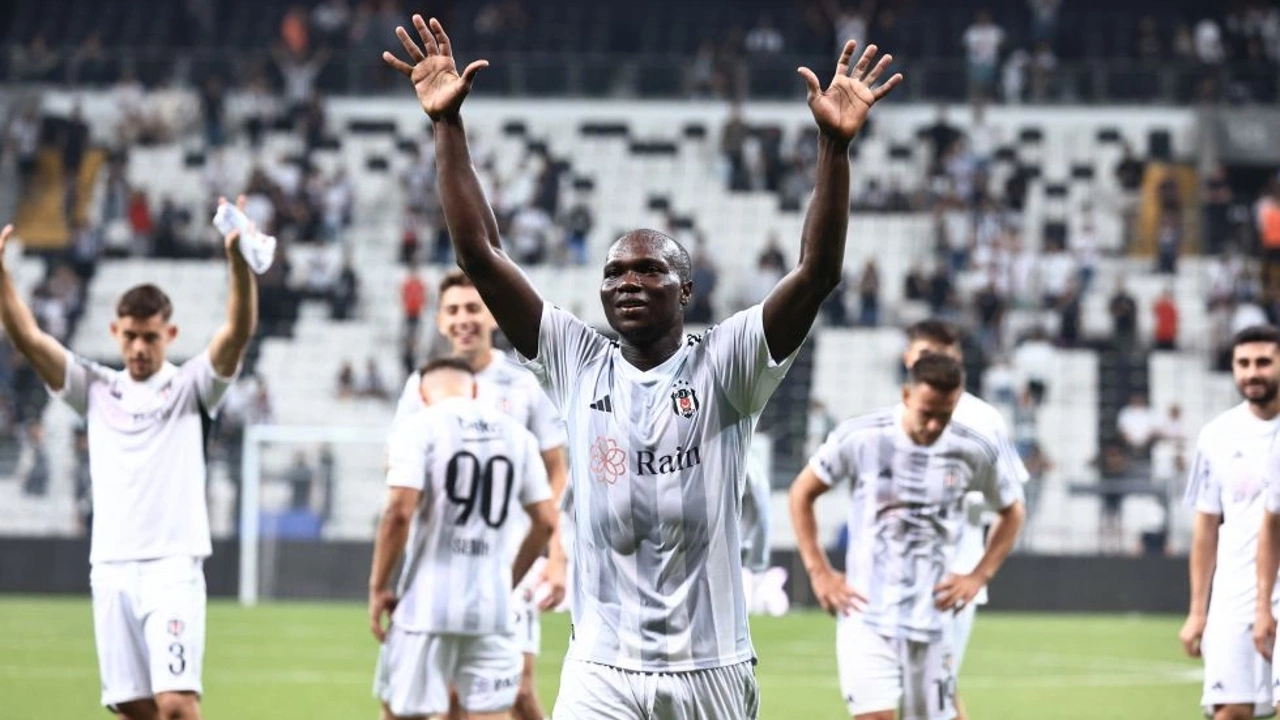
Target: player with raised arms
658, 422
148, 426
465, 321
941, 338
454, 470
909, 468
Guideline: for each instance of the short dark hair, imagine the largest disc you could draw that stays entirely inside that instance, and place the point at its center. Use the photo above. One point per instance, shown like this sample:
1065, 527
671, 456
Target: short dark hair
940, 372
676, 254
1254, 334
453, 279
446, 363
937, 331
144, 301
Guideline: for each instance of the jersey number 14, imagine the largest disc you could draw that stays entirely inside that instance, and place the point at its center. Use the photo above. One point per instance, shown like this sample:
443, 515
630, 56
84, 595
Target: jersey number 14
469, 482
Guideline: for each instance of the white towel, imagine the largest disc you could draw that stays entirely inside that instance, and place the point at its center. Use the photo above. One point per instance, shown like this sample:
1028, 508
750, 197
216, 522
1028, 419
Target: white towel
257, 249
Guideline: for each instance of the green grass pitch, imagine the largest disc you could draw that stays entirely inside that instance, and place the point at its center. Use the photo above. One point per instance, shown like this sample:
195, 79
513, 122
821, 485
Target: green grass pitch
315, 661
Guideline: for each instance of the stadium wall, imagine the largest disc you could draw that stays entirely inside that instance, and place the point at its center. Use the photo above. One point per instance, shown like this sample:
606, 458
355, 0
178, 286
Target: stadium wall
339, 571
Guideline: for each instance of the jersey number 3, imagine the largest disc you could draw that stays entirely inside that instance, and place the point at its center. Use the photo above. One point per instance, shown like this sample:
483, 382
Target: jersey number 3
469, 481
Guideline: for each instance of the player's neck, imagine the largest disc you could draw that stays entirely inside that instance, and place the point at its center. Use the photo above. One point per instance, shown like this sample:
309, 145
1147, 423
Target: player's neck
652, 353
479, 359
1268, 411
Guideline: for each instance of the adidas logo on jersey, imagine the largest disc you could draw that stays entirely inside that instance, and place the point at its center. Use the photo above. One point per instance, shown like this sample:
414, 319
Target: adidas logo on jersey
604, 404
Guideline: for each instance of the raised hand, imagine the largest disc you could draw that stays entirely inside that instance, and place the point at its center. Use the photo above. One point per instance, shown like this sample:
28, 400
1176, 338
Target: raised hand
842, 108
434, 75
231, 240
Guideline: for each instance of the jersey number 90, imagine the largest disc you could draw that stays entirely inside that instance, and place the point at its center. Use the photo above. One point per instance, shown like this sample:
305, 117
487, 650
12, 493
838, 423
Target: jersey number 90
469, 481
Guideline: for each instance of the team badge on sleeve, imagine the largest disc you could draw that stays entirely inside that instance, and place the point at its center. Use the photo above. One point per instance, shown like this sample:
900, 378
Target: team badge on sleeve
684, 401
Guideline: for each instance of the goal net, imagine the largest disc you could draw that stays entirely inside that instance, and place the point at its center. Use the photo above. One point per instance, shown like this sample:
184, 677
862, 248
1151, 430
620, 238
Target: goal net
311, 500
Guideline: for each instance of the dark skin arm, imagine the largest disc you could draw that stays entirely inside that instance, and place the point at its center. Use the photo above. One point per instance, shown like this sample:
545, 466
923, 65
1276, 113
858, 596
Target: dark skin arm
840, 112
514, 302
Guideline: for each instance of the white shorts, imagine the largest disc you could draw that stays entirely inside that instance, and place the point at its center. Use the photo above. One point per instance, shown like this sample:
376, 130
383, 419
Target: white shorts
148, 624
961, 630
589, 691
416, 669
527, 628
1234, 672
879, 673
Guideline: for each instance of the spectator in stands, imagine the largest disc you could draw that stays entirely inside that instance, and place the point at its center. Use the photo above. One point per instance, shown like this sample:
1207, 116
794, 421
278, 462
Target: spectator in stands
83, 483
733, 141
1267, 218
33, 62
1124, 317
1129, 173
328, 481
299, 71
1216, 209
35, 480
914, 285
1149, 46
707, 277
213, 103
764, 38
260, 109
941, 136
300, 477
413, 300
989, 310
835, 309
529, 233
577, 222
1057, 271
345, 295
373, 385
1114, 465
1164, 312
1069, 311
346, 388
940, 291
1044, 21
1137, 425
74, 139
330, 20
869, 294
1084, 246
982, 41
22, 139
1013, 76
1168, 244
1043, 65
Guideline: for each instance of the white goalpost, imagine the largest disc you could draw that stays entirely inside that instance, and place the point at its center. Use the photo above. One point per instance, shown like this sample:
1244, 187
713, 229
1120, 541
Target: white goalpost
356, 453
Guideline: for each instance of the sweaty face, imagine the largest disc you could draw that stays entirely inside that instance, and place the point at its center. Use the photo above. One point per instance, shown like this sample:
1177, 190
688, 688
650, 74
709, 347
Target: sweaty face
143, 343
928, 411
642, 294
924, 346
1256, 372
465, 320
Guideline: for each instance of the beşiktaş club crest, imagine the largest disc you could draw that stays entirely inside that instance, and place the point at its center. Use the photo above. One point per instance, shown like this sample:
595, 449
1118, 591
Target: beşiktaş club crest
684, 401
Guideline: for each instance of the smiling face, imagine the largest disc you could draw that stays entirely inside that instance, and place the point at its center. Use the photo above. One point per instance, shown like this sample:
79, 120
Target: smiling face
465, 321
645, 286
143, 343
1256, 371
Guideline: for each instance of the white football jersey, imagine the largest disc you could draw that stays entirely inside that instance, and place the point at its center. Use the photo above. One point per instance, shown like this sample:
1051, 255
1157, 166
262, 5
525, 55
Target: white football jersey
478, 470
506, 386
907, 511
982, 416
658, 468
146, 456
755, 521
1229, 478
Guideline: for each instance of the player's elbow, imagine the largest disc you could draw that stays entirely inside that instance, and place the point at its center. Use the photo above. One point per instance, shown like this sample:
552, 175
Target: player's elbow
543, 526
821, 279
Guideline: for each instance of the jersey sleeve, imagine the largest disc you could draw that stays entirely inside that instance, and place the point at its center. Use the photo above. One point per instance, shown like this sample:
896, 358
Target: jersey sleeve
565, 344
79, 376
1204, 490
745, 370
1009, 463
210, 386
999, 488
409, 453
410, 398
545, 423
534, 486
836, 459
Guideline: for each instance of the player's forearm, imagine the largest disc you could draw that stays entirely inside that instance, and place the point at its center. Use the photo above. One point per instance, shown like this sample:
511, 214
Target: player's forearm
1200, 564
1268, 559
45, 354
242, 317
467, 213
1004, 533
826, 222
393, 533
534, 543
805, 525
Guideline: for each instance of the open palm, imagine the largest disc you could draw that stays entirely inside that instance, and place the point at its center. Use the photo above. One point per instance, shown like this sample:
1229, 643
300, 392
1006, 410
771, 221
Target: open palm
842, 108
434, 74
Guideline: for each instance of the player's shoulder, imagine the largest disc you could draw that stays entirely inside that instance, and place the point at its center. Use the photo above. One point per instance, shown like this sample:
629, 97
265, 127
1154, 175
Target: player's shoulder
977, 438
978, 413
1225, 424
728, 326
872, 424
